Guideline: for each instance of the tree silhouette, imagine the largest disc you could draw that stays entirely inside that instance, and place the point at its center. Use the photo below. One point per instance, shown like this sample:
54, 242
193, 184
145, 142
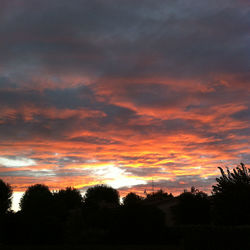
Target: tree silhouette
37, 199
101, 196
239, 177
99, 208
37, 212
158, 196
67, 200
131, 199
192, 208
5, 197
231, 196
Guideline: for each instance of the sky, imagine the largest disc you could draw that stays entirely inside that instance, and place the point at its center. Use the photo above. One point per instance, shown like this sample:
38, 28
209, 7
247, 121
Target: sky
123, 92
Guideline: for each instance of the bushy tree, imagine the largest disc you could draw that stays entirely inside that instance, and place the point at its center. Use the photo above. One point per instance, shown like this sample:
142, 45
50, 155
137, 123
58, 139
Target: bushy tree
67, 200
158, 196
37, 199
131, 199
101, 196
231, 196
193, 207
5, 197
99, 207
37, 212
232, 180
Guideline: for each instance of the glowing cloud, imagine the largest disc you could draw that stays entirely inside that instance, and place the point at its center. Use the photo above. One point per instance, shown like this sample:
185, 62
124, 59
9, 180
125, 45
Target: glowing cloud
16, 162
115, 176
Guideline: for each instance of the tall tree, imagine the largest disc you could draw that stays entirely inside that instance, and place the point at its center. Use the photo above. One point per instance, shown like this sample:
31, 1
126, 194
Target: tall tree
159, 195
5, 197
132, 199
231, 196
101, 196
67, 200
37, 199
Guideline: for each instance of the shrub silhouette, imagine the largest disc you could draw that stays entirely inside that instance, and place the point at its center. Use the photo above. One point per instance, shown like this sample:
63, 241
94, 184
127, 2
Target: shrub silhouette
231, 196
66, 200
131, 199
37, 199
99, 207
101, 196
158, 196
193, 208
5, 197
37, 213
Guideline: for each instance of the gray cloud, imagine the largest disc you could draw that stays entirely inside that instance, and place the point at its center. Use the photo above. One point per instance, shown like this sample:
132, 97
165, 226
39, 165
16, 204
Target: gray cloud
108, 38
45, 44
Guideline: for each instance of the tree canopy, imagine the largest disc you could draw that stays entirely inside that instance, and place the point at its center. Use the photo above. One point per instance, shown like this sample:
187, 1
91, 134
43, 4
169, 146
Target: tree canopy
193, 207
37, 199
101, 195
131, 199
67, 199
5, 197
231, 196
239, 177
158, 196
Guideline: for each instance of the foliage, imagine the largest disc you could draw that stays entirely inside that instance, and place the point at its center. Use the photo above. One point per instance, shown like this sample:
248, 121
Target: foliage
66, 217
231, 197
37, 199
238, 178
192, 208
131, 199
67, 199
101, 196
5, 197
158, 196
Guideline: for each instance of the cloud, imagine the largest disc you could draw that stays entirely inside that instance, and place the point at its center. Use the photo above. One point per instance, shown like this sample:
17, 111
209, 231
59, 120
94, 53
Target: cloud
122, 91
115, 176
16, 162
107, 39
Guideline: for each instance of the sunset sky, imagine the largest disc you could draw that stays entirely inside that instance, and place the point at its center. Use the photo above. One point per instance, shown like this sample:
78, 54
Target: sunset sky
123, 92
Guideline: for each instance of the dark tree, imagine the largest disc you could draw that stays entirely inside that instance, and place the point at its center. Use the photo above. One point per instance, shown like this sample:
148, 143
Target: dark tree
192, 208
5, 197
160, 195
37, 213
100, 205
231, 196
101, 196
140, 223
131, 199
66, 200
37, 199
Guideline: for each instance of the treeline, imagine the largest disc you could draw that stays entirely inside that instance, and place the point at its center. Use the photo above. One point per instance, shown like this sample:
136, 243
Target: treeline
99, 217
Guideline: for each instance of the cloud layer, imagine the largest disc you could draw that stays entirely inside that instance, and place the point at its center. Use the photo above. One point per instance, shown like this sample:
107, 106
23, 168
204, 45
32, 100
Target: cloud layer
123, 92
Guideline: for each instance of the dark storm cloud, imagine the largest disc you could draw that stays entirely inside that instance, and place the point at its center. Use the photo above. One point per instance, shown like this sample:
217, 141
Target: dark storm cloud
173, 38
71, 98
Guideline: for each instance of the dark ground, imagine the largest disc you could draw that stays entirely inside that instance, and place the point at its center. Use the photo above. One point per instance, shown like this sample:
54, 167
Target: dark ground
91, 247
